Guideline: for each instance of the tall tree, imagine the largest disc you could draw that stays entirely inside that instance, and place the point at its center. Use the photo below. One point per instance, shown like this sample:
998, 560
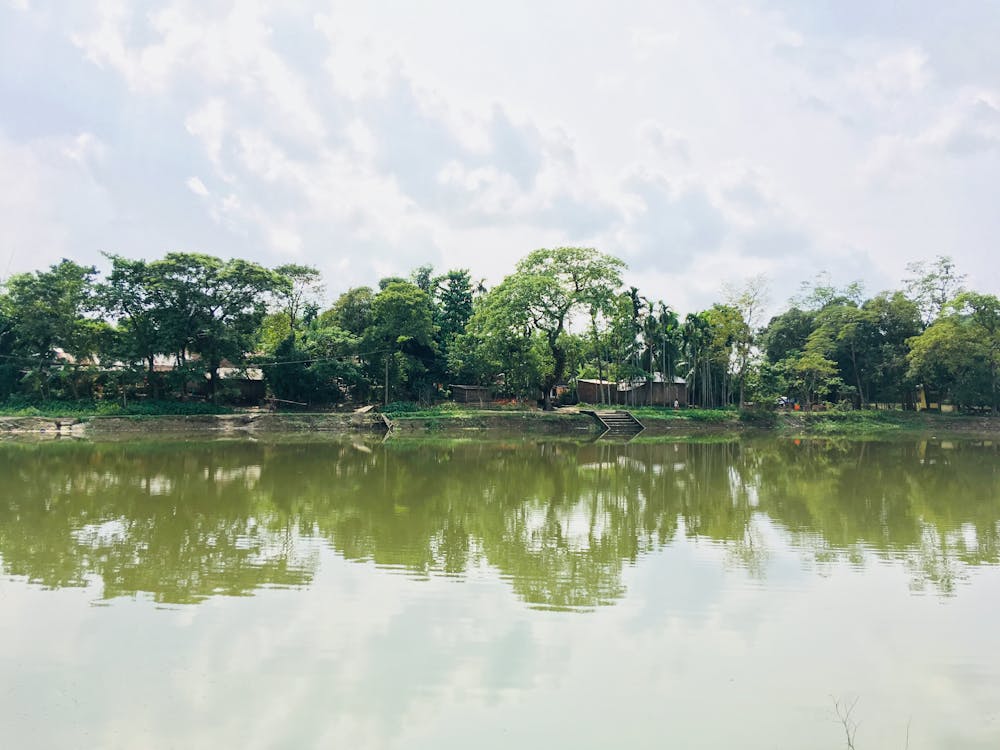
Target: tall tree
48, 310
546, 289
130, 296
454, 298
749, 301
8, 361
213, 307
400, 337
959, 354
932, 285
352, 311
297, 294
895, 319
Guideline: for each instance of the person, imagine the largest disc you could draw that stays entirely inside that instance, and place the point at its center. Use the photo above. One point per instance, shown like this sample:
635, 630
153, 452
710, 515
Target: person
677, 404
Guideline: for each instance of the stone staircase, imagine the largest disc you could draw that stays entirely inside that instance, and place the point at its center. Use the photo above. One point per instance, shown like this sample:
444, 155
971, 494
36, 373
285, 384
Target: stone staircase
618, 423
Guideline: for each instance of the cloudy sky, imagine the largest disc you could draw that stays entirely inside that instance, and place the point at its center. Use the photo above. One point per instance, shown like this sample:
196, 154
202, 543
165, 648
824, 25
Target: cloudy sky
702, 141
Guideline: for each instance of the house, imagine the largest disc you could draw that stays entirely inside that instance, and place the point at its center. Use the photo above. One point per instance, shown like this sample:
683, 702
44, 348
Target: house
470, 394
659, 391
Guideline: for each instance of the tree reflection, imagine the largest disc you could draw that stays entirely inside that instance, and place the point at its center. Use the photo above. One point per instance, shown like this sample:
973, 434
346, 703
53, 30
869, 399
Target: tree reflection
558, 520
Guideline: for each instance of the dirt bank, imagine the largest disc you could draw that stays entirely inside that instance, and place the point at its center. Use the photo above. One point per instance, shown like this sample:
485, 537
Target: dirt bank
526, 423
224, 423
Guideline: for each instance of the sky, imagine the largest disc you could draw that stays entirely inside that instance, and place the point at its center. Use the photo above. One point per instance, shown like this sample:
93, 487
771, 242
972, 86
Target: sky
702, 142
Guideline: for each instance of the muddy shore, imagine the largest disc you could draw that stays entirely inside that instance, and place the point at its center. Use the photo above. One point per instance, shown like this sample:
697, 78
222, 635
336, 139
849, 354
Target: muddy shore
483, 422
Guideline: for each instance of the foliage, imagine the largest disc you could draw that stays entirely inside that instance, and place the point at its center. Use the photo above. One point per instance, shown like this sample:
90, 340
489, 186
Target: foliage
933, 285
152, 329
399, 341
533, 305
352, 311
960, 352
19, 407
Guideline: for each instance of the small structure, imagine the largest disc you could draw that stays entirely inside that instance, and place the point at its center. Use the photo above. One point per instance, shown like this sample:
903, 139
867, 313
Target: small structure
657, 392
470, 394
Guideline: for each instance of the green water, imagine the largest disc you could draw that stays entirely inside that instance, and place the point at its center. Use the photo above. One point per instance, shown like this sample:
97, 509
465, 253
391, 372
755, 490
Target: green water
495, 594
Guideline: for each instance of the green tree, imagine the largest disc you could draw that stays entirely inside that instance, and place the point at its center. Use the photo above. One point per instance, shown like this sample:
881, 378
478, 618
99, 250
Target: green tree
212, 307
546, 289
894, 319
748, 301
454, 305
48, 310
932, 285
959, 354
696, 340
297, 294
352, 311
131, 297
815, 375
400, 338
8, 361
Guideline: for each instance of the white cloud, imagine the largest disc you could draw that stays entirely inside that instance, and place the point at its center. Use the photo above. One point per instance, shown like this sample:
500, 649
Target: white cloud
196, 186
363, 140
49, 201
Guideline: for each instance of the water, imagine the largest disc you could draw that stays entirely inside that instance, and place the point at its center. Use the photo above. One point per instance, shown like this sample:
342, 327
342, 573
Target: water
431, 594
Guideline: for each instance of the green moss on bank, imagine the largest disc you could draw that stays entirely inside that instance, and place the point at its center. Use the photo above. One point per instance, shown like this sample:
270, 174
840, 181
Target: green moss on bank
454, 419
84, 409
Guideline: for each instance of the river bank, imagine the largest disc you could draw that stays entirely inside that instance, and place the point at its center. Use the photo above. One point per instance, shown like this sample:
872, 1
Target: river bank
566, 422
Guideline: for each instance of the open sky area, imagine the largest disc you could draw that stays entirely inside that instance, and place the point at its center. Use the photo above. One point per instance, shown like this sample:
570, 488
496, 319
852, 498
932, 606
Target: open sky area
703, 142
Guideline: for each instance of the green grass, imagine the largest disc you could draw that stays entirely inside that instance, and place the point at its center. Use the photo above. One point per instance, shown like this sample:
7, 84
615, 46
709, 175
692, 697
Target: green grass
866, 422
686, 414
82, 409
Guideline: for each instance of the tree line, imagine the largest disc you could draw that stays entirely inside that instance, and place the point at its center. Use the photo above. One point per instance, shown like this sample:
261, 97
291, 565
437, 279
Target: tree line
165, 329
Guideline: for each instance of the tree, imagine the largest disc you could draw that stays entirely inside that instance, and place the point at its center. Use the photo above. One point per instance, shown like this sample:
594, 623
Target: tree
959, 354
212, 307
48, 310
130, 297
352, 311
695, 337
401, 335
894, 320
452, 308
297, 294
317, 368
932, 285
726, 329
8, 361
546, 289
816, 374
423, 278
749, 301
454, 298
786, 334
821, 291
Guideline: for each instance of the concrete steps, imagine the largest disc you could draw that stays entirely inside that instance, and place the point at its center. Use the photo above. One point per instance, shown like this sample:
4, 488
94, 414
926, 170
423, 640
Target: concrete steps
618, 423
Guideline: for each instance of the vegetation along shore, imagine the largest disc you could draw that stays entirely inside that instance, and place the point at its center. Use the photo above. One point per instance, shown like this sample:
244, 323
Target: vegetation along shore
192, 334
484, 422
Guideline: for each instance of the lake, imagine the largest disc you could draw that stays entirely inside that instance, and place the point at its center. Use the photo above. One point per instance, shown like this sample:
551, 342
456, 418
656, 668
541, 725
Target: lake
424, 593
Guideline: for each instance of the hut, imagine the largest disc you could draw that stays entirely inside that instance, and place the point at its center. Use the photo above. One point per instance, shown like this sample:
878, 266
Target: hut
470, 394
659, 391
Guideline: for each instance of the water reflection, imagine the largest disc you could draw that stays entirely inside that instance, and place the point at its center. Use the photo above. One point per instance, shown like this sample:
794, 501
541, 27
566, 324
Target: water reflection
558, 520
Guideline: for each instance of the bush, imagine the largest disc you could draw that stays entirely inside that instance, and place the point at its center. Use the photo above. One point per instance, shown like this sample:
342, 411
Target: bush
19, 407
401, 407
759, 417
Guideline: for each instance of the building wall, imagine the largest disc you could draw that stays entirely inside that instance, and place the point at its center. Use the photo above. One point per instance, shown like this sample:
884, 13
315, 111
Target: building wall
658, 394
470, 395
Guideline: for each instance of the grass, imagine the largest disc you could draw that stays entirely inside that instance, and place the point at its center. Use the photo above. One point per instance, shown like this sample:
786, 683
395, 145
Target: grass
81, 409
514, 418
686, 414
